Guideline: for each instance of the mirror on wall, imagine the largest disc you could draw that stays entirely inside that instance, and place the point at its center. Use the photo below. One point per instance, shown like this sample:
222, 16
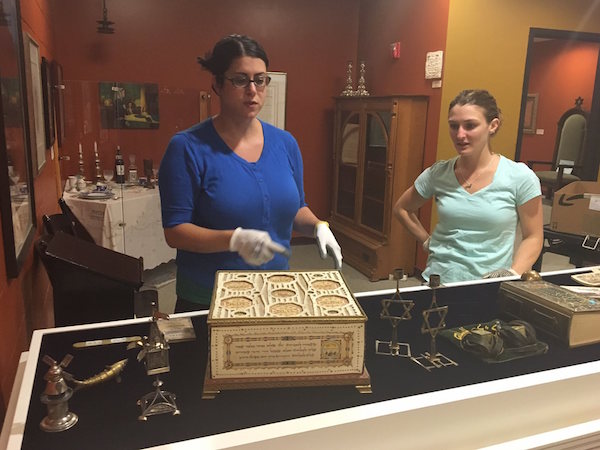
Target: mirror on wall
561, 67
16, 188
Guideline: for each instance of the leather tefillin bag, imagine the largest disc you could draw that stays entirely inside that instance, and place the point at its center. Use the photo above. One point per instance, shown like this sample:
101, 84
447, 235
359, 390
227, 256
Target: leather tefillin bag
497, 341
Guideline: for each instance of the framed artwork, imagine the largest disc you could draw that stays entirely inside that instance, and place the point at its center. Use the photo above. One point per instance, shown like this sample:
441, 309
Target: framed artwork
530, 113
128, 105
35, 102
58, 88
16, 189
48, 97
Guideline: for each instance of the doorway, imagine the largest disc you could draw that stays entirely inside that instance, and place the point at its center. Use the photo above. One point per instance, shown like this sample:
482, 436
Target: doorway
560, 67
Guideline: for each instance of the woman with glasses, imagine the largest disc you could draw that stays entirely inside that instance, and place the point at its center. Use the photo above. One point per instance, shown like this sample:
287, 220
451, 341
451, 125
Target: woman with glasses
231, 187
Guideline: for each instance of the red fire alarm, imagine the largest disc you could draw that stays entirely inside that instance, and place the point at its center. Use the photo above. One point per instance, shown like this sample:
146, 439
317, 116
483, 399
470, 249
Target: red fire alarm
395, 48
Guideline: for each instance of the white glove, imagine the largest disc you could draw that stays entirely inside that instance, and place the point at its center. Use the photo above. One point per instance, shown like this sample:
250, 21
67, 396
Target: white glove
326, 241
500, 273
254, 246
426, 244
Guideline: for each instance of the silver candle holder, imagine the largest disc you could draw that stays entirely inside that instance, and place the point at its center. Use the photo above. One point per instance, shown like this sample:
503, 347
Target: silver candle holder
98, 176
361, 89
393, 347
433, 359
155, 353
348, 89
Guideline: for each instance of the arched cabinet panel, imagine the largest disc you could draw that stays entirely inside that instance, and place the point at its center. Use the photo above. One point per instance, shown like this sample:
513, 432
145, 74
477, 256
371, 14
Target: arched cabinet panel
378, 153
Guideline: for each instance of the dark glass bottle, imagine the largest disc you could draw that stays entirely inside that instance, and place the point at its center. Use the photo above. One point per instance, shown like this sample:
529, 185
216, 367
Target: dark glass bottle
119, 167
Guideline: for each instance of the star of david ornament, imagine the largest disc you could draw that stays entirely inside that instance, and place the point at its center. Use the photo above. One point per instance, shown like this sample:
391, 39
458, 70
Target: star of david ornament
434, 320
440, 312
388, 312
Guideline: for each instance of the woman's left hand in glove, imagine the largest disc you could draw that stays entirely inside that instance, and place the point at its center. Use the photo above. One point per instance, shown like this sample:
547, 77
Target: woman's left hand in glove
498, 273
326, 241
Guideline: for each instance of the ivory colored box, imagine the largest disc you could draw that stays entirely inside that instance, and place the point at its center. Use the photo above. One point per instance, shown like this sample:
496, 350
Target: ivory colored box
284, 324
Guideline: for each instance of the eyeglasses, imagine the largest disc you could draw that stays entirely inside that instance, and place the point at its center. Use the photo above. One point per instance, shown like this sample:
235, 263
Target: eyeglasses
243, 81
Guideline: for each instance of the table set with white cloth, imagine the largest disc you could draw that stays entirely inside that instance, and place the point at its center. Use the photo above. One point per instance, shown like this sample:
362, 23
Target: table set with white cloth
128, 222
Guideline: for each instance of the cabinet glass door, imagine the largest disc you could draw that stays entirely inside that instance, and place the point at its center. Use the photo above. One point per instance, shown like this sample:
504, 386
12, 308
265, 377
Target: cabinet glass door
374, 169
347, 165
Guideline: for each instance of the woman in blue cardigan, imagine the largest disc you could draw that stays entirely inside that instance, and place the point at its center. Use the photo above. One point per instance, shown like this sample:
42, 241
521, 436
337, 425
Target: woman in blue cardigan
231, 187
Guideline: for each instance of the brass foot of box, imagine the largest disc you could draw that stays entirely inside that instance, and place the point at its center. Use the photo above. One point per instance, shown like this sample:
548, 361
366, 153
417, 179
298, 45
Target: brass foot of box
364, 388
209, 394
212, 387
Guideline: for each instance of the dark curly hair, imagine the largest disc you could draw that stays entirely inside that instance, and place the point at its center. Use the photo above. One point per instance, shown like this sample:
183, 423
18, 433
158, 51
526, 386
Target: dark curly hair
226, 50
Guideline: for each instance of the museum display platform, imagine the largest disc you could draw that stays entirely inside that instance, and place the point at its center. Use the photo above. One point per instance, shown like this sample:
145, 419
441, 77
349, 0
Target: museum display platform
540, 400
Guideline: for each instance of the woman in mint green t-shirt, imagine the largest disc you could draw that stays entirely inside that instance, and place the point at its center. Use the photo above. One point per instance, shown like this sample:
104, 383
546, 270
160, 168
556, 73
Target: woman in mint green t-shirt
480, 197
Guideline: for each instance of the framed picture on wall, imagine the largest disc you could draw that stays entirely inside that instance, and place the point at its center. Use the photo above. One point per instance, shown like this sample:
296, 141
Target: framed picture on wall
128, 105
48, 97
35, 102
17, 200
530, 113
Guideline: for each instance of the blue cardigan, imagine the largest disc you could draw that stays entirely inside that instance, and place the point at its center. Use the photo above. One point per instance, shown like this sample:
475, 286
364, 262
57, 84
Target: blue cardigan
203, 182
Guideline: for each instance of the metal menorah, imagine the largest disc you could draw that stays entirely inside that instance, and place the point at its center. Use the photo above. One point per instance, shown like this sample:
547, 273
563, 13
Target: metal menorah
393, 347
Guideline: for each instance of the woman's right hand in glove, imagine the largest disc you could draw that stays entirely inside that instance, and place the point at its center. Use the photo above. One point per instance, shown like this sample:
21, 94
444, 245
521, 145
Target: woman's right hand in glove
255, 246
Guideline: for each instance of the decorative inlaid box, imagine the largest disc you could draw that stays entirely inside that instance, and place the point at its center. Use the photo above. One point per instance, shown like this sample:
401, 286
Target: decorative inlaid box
286, 325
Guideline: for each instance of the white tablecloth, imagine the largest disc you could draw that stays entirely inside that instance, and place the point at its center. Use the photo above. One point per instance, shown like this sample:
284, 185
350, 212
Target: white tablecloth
129, 224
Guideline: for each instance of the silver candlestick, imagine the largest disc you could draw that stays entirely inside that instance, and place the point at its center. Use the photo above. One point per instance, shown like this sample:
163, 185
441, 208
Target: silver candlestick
81, 166
361, 88
348, 89
433, 359
393, 347
98, 176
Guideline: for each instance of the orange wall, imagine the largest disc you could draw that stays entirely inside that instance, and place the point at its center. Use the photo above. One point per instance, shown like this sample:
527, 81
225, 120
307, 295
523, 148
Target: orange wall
560, 72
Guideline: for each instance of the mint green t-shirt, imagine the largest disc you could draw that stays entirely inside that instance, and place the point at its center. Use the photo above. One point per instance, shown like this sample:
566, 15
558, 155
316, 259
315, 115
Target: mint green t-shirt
475, 233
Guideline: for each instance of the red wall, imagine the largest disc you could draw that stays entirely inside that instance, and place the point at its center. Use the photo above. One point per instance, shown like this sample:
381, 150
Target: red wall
560, 72
26, 300
420, 27
158, 42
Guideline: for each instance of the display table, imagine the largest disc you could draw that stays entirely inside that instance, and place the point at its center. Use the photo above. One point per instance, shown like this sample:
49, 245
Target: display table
539, 400
579, 249
129, 224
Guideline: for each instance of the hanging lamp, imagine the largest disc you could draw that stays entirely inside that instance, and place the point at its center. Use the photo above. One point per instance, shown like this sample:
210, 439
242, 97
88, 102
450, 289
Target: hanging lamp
105, 25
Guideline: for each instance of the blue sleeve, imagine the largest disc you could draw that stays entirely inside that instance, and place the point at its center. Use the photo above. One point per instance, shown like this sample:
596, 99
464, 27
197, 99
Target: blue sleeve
179, 182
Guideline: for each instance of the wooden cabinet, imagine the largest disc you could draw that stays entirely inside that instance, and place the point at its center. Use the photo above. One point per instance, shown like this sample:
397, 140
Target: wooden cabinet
378, 153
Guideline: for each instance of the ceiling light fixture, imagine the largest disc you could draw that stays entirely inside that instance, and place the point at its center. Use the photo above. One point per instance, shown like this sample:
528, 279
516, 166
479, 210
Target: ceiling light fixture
105, 25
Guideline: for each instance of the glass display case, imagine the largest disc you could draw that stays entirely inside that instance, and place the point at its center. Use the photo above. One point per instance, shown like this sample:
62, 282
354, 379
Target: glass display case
378, 152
